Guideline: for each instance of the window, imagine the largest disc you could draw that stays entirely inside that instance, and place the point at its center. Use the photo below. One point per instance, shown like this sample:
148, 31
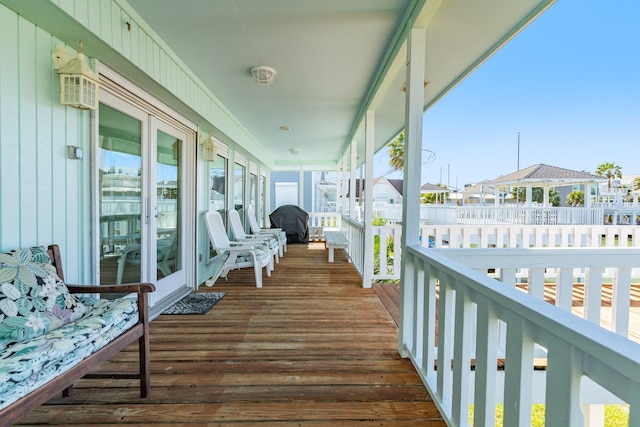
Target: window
238, 190
217, 191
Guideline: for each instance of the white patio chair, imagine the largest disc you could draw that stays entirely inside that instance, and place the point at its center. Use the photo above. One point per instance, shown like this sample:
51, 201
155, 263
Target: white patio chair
278, 232
239, 235
166, 256
237, 254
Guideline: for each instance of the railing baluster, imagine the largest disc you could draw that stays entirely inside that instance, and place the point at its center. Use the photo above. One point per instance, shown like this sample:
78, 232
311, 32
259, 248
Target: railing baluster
536, 282
446, 333
621, 301
518, 372
563, 373
593, 295
430, 321
486, 363
462, 355
564, 288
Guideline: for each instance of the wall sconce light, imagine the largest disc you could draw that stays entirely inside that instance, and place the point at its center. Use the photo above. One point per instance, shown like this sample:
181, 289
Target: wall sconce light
78, 83
209, 152
74, 153
263, 75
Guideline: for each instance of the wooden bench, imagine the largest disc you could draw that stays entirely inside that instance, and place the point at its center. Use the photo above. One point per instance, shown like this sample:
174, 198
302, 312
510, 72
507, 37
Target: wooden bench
334, 239
63, 382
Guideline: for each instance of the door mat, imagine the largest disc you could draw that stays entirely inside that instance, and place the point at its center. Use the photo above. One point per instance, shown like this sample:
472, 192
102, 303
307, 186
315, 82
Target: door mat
195, 303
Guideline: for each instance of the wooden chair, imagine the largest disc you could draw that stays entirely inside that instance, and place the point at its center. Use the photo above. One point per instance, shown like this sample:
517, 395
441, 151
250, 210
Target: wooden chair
237, 254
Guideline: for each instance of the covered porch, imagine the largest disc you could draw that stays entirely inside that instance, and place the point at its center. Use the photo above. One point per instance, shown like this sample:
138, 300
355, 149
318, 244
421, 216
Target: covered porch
307, 349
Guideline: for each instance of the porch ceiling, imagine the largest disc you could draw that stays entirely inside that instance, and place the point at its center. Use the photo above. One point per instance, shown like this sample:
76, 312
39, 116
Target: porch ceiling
334, 60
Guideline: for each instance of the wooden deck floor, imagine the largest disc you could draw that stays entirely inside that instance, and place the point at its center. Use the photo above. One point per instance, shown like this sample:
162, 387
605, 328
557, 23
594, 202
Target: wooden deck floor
311, 348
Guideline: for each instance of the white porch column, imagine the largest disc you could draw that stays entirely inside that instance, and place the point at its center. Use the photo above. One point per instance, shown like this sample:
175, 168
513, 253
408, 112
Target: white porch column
414, 103
301, 188
352, 180
367, 268
345, 187
339, 186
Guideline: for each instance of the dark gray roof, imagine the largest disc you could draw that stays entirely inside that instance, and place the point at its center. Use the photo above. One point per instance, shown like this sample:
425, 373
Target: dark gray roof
432, 188
542, 173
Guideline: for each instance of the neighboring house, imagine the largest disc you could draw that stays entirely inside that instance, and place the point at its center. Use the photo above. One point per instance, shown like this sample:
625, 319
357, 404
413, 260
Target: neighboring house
387, 190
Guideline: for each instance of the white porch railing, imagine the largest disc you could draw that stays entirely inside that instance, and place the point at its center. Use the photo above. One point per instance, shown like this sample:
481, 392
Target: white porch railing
471, 307
319, 220
354, 230
441, 214
387, 263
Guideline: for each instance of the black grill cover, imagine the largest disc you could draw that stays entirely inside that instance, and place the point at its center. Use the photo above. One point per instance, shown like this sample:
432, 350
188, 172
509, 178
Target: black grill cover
294, 221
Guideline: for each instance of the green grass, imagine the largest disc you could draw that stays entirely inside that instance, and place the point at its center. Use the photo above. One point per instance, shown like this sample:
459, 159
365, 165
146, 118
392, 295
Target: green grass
614, 415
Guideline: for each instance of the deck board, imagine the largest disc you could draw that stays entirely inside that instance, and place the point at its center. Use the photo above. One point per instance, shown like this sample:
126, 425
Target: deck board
310, 348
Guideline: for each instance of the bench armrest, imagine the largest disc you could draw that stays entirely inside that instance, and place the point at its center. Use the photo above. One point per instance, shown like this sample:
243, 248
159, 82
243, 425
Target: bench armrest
124, 288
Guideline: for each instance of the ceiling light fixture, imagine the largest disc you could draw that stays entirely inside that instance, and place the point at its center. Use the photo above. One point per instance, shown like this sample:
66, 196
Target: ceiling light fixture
294, 151
285, 127
263, 75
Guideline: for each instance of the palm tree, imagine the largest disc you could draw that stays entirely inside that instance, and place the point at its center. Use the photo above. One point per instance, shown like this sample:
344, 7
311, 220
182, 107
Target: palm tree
576, 198
396, 152
636, 183
610, 171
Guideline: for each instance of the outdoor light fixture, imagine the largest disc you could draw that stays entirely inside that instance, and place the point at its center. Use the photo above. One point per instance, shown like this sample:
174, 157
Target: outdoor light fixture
263, 75
78, 83
209, 152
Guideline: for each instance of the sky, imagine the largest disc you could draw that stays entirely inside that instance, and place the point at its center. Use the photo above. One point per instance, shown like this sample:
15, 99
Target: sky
569, 84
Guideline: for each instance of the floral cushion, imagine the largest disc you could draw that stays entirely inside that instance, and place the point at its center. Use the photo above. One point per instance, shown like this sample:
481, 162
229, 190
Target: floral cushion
27, 365
244, 258
33, 299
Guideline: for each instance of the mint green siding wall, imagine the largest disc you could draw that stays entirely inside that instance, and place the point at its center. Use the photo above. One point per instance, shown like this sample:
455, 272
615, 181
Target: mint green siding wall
139, 44
42, 195
46, 198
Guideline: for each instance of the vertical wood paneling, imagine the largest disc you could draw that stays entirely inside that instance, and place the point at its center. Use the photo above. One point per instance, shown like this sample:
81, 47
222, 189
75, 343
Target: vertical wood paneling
94, 19
43, 165
27, 133
9, 147
116, 27
126, 35
81, 8
43, 197
105, 21
135, 42
58, 190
